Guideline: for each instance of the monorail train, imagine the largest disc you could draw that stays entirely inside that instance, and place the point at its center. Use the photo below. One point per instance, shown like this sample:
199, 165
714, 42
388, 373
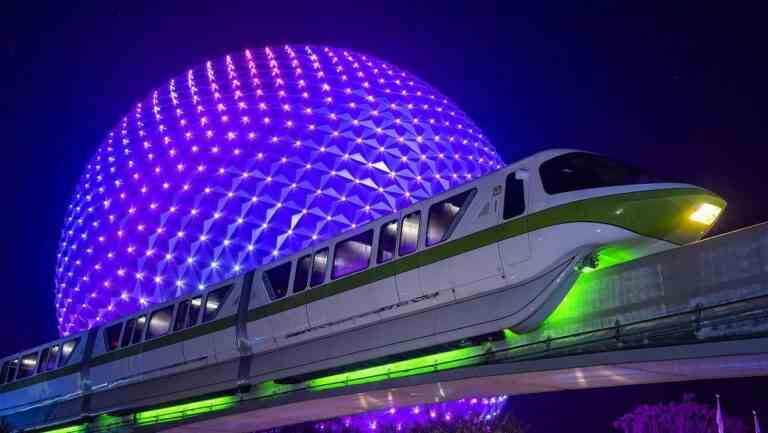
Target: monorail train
496, 253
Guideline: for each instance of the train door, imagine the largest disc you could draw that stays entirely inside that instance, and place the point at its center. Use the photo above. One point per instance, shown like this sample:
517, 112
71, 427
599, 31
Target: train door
515, 249
477, 268
408, 281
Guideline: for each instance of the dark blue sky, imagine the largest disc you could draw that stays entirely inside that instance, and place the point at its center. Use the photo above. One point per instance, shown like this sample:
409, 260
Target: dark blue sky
678, 89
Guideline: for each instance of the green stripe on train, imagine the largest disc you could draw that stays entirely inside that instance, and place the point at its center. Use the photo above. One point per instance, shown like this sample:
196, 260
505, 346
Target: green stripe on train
639, 212
661, 214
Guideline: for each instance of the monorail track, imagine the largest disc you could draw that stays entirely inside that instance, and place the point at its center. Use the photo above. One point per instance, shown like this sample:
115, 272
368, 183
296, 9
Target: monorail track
697, 308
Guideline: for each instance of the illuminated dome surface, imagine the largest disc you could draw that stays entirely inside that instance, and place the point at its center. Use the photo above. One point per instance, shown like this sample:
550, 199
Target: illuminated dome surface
248, 158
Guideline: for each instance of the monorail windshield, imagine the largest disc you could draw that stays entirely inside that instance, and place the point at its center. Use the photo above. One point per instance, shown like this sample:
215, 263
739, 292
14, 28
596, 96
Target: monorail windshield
580, 170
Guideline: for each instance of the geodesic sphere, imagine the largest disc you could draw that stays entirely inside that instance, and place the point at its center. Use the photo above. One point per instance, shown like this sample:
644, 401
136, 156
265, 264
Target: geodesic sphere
246, 159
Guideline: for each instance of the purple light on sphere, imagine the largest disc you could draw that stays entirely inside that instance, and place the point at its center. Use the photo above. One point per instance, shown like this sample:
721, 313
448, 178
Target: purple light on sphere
475, 412
246, 159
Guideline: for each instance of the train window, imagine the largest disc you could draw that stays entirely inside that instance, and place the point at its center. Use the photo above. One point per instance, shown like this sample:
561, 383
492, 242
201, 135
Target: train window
181, 315
302, 273
27, 366
53, 358
214, 302
352, 254
129, 326
67, 349
43, 359
319, 265
387, 241
160, 322
409, 235
112, 336
138, 330
579, 170
10, 369
276, 280
194, 311
514, 197
444, 216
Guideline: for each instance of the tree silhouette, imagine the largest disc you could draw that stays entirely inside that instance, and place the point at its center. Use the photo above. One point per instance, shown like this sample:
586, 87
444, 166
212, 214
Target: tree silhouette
687, 416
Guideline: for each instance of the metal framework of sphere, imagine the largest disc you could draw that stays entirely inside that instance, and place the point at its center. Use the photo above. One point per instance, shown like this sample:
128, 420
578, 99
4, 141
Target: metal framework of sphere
248, 158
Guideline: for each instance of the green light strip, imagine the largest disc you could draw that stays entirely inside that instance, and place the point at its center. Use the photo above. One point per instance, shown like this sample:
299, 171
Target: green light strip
183, 411
409, 367
68, 429
510, 336
106, 422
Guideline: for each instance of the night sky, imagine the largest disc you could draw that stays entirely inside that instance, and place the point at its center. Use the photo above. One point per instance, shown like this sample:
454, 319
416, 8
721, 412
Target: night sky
680, 90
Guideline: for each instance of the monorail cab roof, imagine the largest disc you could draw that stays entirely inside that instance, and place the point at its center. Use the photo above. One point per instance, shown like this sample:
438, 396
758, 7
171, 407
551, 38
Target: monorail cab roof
559, 176
575, 171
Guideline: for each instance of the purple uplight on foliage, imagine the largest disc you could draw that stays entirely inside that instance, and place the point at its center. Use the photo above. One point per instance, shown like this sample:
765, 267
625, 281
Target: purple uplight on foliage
686, 416
246, 159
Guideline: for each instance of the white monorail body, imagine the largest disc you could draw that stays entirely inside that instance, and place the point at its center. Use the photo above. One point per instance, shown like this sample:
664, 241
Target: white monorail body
496, 253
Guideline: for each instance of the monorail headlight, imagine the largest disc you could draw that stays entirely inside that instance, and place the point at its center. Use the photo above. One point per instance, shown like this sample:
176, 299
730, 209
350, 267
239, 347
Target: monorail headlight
706, 214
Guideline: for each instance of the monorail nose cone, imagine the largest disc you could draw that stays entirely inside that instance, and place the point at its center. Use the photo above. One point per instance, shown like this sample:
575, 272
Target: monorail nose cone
677, 215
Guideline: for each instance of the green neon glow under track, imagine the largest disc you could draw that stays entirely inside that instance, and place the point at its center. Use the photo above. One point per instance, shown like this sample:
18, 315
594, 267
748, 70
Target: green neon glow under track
409, 367
586, 288
186, 410
106, 422
68, 429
